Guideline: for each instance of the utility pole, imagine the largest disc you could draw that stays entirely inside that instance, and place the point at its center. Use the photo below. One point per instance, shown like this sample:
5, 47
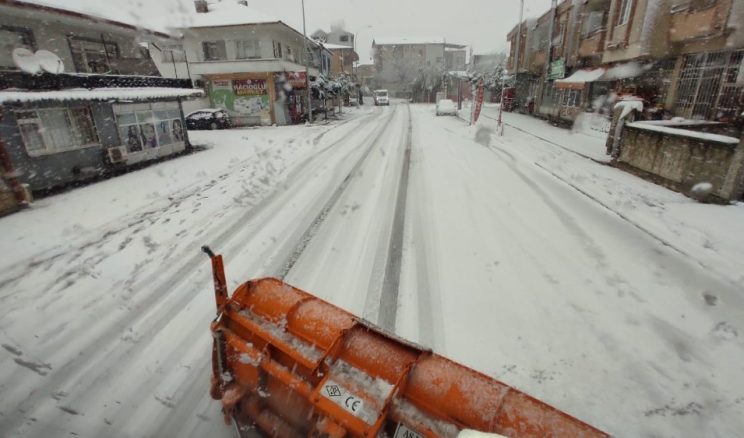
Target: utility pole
307, 68
519, 41
549, 56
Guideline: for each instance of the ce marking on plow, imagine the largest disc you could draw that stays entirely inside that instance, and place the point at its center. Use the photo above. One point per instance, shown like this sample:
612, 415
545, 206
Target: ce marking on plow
352, 403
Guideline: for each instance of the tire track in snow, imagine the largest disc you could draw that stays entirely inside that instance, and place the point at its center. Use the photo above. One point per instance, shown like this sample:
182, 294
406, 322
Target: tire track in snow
156, 316
294, 255
388, 309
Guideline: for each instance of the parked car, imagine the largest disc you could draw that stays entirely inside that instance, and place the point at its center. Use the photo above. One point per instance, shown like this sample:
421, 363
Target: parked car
209, 118
381, 97
446, 107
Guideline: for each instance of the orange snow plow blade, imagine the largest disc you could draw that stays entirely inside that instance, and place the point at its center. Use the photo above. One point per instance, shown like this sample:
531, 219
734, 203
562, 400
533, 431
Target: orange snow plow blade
294, 365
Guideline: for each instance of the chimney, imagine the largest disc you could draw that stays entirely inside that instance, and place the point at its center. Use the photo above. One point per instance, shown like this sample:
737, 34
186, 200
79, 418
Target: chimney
201, 6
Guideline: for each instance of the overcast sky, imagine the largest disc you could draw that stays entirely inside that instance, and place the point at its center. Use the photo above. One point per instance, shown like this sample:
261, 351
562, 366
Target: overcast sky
483, 24
480, 23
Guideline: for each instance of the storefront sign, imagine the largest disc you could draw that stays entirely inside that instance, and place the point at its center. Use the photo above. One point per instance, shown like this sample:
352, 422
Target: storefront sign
296, 79
246, 100
557, 69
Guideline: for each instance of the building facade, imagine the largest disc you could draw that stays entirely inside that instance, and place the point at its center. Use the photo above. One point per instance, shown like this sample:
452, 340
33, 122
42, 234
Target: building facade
99, 110
250, 64
401, 61
683, 58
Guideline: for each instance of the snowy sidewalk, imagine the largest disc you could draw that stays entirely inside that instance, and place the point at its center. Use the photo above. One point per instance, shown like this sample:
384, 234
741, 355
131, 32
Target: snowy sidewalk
711, 235
589, 144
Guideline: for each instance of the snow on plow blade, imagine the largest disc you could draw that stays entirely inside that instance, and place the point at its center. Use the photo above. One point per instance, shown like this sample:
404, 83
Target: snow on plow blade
294, 365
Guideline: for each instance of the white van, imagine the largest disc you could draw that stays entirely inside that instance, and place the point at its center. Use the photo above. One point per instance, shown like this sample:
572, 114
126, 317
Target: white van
381, 97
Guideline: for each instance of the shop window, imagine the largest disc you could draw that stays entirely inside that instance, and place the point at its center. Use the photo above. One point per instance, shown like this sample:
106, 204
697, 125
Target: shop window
148, 126
48, 131
214, 50
92, 56
248, 49
12, 38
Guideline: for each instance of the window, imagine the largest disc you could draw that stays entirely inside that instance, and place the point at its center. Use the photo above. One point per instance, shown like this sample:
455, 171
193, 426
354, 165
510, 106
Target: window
277, 50
248, 49
47, 131
92, 56
571, 98
593, 23
344, 38
173, 53
214, 50
11, 38
625, 8
289, 55
149, 125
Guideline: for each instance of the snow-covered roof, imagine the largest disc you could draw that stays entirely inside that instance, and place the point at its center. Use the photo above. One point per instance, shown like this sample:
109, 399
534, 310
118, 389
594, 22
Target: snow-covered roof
622, 71
229, 13
581, 76
160, 16
330, 46
685, 133
391, 41
118, 94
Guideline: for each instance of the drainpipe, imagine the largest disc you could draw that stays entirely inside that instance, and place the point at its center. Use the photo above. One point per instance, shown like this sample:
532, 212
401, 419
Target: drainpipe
10, 174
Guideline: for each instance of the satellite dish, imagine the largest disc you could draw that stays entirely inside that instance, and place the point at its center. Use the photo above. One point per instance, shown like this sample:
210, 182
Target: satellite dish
49, 61
26, 60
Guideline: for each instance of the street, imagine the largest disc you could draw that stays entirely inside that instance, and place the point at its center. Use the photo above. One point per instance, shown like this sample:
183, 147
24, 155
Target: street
488, 249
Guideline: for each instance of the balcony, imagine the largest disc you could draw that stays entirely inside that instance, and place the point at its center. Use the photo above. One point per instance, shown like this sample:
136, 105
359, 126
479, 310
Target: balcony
688, 23
592, 45
246, 66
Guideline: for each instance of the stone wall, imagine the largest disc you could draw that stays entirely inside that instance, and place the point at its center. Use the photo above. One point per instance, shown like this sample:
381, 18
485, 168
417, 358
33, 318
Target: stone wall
679, 159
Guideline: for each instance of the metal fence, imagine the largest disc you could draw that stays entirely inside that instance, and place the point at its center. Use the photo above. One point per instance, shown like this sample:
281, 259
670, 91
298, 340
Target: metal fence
707, 87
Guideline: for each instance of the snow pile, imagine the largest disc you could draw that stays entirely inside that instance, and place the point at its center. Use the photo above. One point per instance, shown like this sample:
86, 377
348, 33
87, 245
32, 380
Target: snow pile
582, 76
628, 106
623, 71
706, 136
121, 94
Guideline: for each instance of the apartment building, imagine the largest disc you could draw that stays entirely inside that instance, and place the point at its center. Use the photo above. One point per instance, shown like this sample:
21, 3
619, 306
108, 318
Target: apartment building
682, 57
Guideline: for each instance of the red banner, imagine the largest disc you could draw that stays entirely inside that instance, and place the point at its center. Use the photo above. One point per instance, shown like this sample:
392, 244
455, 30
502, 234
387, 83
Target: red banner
478, 100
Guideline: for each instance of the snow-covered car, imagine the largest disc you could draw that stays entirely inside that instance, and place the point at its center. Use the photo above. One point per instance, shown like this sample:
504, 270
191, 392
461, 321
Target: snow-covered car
446, 107
208, 118
381, 97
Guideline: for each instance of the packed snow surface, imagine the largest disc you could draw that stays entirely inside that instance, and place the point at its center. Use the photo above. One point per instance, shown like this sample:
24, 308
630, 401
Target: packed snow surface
604, 295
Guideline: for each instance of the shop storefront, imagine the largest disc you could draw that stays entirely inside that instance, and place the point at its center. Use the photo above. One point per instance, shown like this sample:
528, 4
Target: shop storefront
259, 98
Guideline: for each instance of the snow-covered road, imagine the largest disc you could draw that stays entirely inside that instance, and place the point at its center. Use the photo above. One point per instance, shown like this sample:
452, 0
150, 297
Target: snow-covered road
492, 252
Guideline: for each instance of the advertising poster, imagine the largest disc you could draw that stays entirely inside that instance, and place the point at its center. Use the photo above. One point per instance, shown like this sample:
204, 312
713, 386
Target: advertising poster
246, 100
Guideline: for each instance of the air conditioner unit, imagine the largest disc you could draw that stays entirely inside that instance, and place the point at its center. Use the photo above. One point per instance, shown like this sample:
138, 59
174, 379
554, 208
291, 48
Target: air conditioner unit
117, 154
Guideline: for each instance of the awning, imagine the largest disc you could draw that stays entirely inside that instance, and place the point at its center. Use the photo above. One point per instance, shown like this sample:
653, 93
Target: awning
622, 71
579, 78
